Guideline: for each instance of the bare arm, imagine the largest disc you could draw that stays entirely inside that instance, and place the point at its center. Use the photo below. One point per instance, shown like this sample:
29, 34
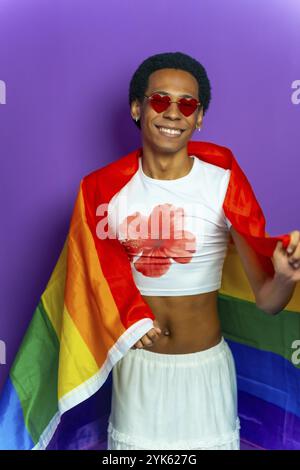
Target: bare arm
272, 294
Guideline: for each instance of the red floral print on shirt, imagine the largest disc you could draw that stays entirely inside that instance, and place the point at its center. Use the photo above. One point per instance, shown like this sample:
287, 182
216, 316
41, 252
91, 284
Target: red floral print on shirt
157, 239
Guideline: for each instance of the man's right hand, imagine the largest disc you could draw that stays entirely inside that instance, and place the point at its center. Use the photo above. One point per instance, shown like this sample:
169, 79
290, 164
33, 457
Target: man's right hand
149, 338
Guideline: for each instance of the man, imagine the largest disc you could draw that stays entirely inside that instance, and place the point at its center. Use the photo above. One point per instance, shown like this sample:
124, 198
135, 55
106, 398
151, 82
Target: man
177, 386
154, 287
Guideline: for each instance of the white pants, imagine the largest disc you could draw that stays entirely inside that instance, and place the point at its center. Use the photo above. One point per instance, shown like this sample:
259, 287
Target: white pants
175, 401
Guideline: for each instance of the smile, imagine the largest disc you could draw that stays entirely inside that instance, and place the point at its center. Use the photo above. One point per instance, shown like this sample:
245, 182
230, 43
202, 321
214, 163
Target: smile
169, 132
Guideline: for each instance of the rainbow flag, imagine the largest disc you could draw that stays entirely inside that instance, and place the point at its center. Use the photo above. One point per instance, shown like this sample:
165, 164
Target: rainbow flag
268, 366
58, 394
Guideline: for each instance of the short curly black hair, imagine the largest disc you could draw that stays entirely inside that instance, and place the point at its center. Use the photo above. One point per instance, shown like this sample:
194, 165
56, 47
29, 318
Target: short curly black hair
175, 60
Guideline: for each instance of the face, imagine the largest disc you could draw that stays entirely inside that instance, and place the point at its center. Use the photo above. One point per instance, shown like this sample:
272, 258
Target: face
175, 83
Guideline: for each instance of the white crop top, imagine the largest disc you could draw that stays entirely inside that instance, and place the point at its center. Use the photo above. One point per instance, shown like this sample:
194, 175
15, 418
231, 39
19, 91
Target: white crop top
174, 231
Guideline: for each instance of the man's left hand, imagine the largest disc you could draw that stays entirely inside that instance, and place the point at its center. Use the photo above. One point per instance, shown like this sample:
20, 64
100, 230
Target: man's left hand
287, 261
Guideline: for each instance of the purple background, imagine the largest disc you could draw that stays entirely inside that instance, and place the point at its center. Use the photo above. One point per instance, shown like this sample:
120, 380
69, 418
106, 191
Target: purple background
67, 66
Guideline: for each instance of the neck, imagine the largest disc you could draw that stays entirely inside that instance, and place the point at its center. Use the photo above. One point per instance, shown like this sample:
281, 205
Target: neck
165, 165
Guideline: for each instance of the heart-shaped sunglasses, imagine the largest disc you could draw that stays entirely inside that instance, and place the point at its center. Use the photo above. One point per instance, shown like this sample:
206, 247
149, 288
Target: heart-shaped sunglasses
160, 103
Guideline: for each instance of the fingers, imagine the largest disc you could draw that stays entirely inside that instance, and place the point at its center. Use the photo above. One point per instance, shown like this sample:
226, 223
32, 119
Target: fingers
279, 248
148, 339
156, 326
293, 249
294, 241
138, 344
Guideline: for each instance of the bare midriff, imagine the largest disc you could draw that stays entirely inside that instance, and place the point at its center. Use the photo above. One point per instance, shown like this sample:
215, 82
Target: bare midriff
189, 323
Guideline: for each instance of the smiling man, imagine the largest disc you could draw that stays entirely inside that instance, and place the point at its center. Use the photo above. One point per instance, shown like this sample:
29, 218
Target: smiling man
177, 385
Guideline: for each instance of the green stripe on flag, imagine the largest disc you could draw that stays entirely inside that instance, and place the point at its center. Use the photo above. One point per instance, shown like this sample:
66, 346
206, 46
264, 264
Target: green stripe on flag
35, 371
244, 323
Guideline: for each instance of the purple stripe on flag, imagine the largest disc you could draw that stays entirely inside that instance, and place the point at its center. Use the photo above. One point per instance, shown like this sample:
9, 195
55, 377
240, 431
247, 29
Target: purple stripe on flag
267, 425
82, 427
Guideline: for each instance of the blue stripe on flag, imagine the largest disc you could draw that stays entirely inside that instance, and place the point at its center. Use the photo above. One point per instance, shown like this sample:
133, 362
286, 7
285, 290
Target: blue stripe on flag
13, 433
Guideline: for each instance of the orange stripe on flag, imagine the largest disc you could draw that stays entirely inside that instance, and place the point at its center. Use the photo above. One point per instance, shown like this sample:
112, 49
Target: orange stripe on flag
87, 296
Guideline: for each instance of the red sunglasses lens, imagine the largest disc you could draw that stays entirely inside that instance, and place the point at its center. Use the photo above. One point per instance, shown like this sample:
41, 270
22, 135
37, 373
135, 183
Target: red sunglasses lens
187, 106
161, 103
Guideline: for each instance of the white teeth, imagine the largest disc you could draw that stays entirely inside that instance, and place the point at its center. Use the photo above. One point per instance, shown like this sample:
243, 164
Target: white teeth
164, 130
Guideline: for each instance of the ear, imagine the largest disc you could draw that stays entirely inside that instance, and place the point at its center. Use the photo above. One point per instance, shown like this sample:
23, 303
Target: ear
199, 117
135, 109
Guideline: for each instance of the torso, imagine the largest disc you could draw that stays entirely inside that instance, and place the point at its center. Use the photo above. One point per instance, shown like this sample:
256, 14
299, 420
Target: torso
138, 215
191, 320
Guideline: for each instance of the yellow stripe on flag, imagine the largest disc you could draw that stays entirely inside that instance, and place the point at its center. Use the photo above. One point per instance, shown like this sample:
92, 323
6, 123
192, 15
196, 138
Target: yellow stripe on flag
235, 282
76, 362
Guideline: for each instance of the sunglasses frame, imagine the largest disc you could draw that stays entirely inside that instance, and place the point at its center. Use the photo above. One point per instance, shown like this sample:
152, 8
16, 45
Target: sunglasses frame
177, 102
